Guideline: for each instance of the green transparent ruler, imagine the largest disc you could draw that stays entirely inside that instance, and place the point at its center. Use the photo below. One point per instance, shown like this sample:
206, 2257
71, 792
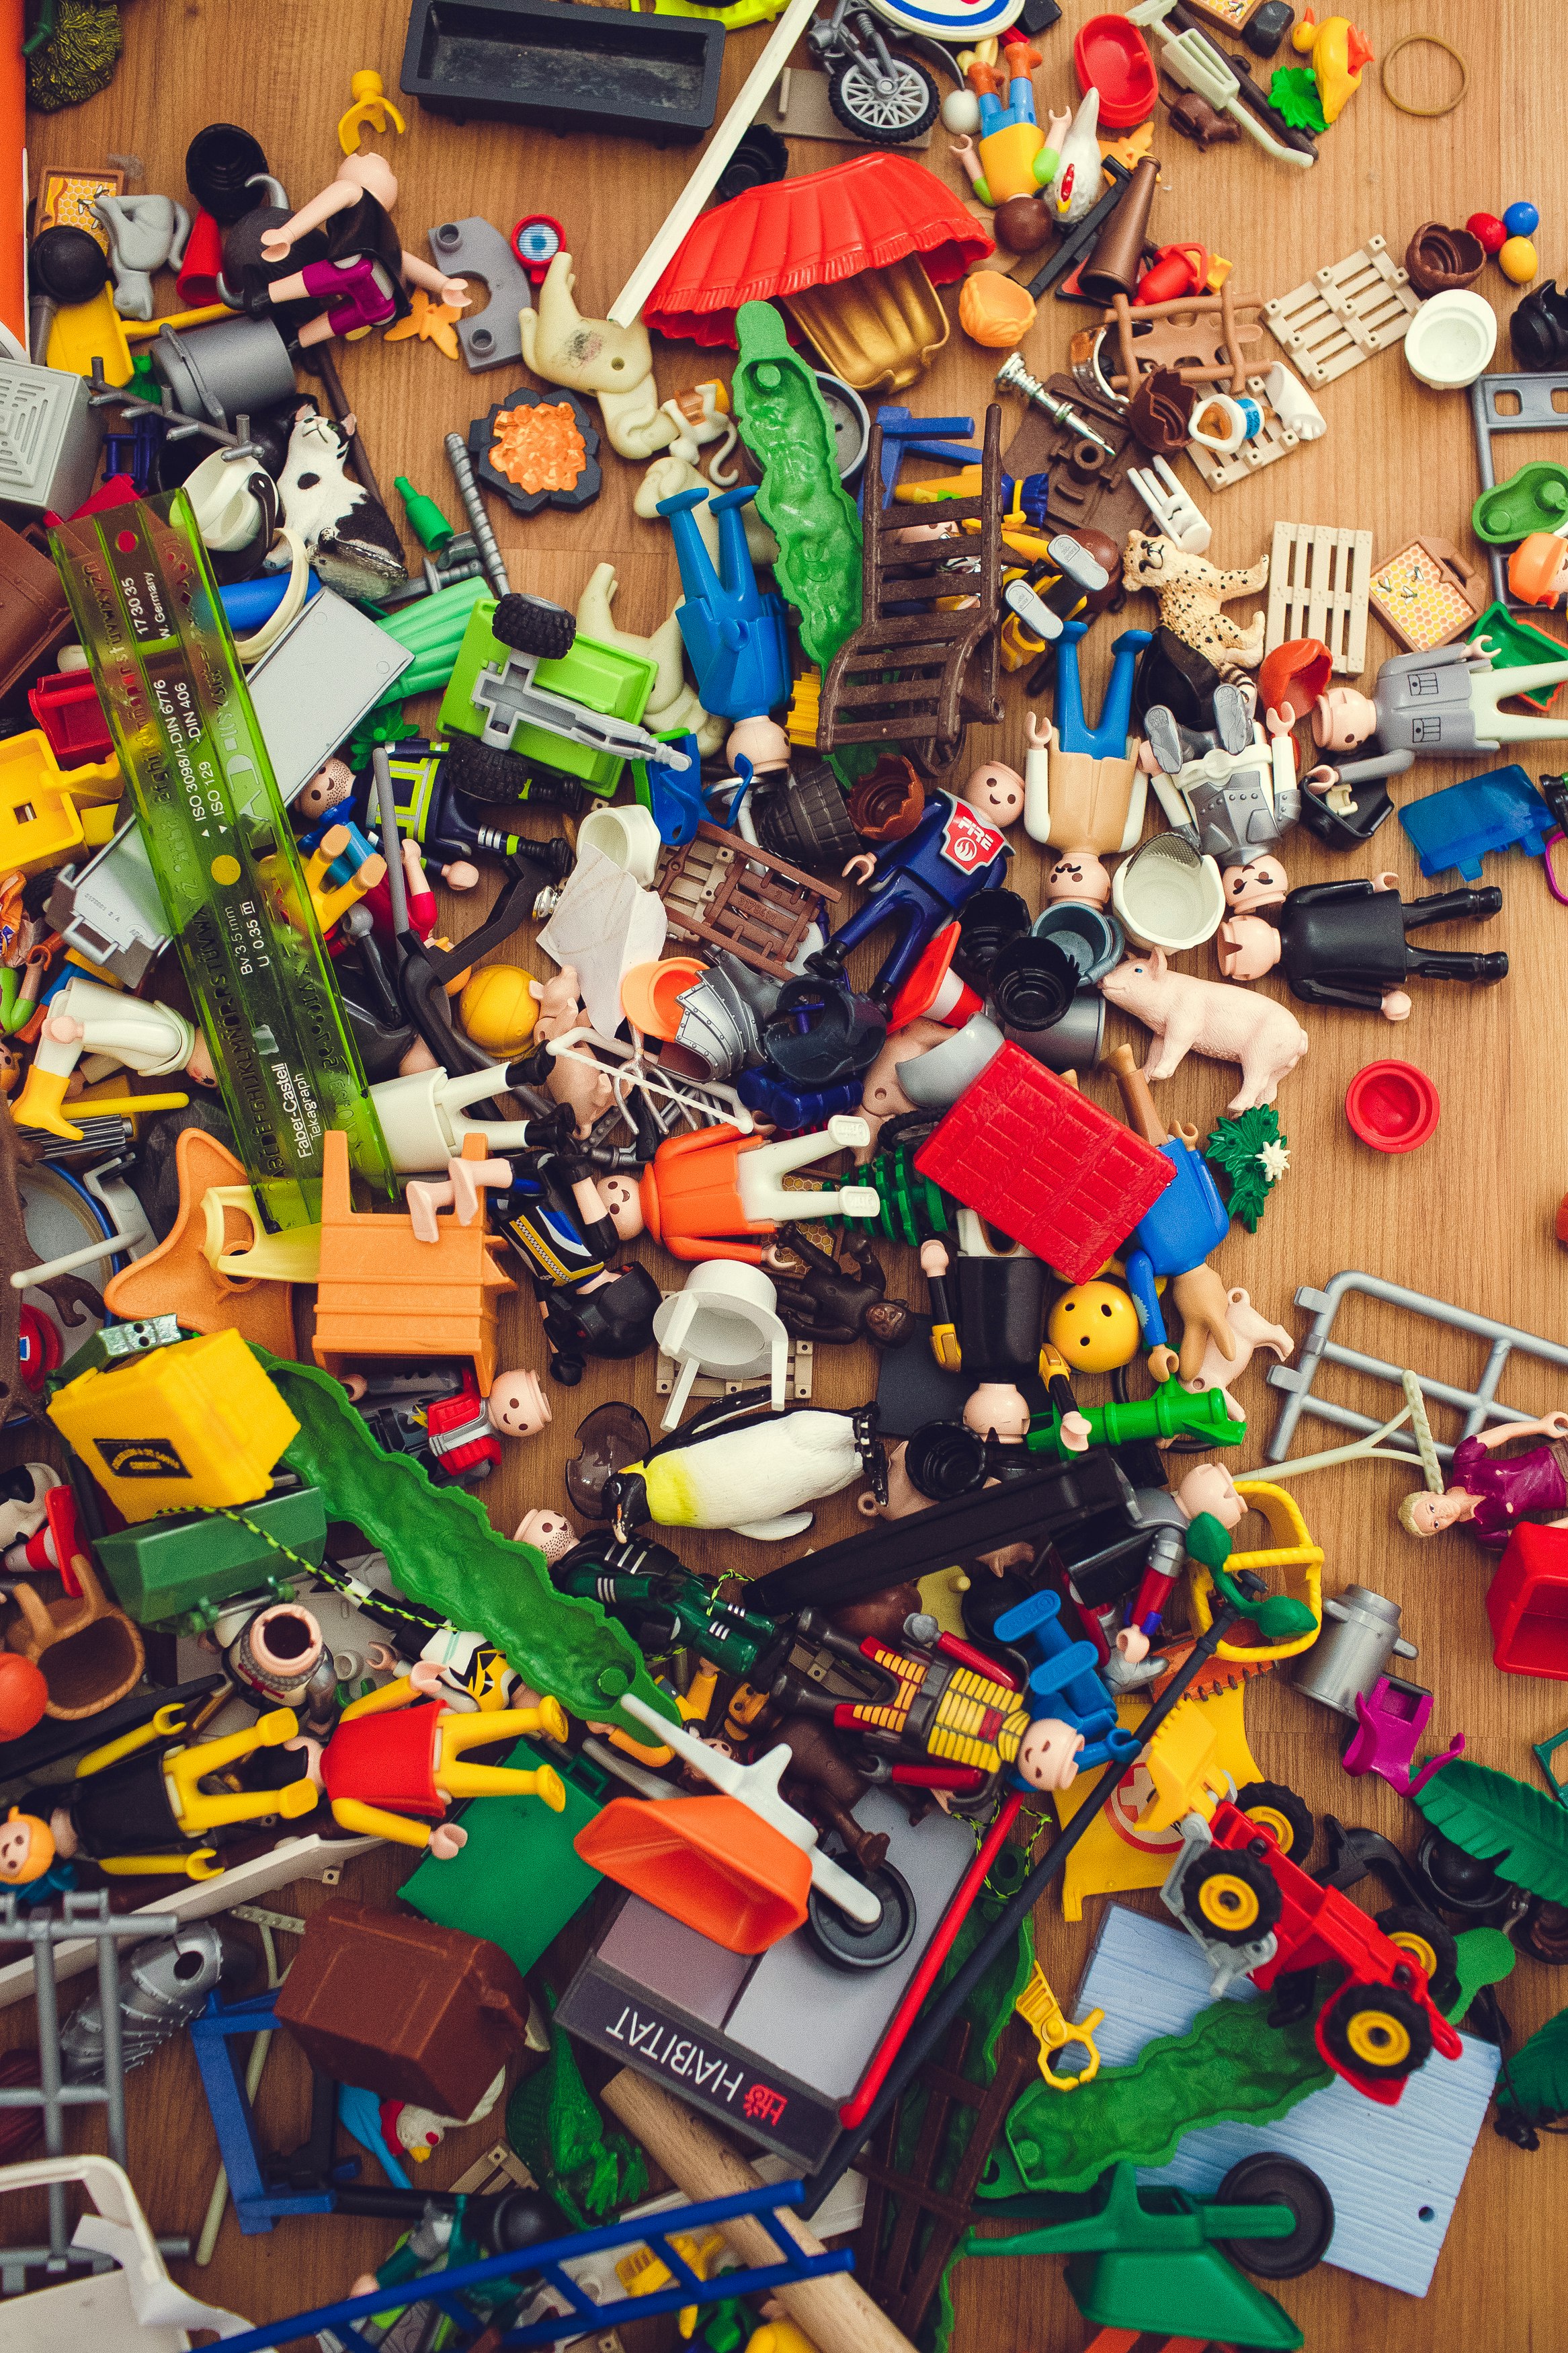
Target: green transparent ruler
147, 613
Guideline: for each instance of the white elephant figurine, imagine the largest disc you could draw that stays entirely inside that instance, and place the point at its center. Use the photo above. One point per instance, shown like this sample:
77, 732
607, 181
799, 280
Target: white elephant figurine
614, 366
145, 233
672, 707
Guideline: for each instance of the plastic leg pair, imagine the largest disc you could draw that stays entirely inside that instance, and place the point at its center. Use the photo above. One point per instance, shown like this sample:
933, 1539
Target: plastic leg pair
1109, 738
461, 1192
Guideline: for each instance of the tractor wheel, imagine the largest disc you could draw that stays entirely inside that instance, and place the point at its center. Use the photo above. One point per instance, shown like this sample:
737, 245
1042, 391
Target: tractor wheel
1280, 1809
1377, 2032
1429, 1944
533, 625
1274, 2181
1230, 1899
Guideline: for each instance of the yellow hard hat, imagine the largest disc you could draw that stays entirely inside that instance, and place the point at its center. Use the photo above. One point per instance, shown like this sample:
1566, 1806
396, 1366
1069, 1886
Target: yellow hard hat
497, 1008
1094, 1326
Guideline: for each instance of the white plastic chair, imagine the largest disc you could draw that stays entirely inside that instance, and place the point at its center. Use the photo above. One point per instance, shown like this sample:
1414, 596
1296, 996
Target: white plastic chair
137, 2308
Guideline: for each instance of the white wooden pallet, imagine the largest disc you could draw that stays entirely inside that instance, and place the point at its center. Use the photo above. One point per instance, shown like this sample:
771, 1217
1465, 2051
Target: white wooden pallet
1319, 577
1345, 313
1275, 440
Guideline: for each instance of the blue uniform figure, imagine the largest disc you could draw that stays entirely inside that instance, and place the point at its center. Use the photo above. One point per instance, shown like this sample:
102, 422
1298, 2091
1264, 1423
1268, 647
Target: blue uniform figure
920, 883
1065, 1685
1175, 1238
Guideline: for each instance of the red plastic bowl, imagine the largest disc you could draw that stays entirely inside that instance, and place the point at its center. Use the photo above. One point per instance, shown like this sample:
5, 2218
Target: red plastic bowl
1393, 1106
1114, 56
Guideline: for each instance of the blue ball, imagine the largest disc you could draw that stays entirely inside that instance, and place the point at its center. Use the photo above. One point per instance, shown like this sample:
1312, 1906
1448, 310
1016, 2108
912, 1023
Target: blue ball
1521, 220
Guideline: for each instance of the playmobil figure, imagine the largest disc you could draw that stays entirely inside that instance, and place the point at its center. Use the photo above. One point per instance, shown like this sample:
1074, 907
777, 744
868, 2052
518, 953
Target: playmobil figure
1191, 592
366, 276
612, 365
1188, 1015
702, 1192
398, 1753
1083, 789
1538, 568
1210, 1490
396, 1401
144, 1810
1491, 1498
145, 233
23, 1507
661, 1605
85, 1018
452, 831
1347, 943
1175, 1238
988, 1324
275, 1657
1013, 158
1443, 703
566, 1222
835, 1300
921, 882
823, 1783
951, 1716
465, 1432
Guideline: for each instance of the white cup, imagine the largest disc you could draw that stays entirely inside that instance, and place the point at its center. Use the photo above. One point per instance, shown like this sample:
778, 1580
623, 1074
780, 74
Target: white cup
628, 834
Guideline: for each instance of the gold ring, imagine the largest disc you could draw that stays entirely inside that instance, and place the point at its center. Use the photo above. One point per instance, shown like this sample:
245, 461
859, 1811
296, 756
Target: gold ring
1433, 41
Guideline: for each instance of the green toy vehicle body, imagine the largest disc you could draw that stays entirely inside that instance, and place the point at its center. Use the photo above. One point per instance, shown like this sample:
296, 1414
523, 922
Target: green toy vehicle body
600, 679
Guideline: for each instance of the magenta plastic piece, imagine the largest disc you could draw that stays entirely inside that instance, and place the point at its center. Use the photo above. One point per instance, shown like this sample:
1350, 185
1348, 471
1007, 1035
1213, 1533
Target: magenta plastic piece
1392, 1723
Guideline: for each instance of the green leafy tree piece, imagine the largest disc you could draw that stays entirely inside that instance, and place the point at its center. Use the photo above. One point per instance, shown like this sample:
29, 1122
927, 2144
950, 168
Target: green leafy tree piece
1250, 1151
1534, 2081
1293, 93
1503, 1822
444, 1552
554, 2126
1482, 1957
784, 424
1230, 2067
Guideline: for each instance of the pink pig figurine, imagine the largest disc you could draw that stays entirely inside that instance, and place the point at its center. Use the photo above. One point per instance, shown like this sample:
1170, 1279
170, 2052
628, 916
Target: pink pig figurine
1188, 1015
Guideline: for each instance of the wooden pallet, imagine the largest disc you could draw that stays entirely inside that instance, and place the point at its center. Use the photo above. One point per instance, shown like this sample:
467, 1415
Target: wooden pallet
729, 893
1221, 471
923, 662
1319, 577
1349, 310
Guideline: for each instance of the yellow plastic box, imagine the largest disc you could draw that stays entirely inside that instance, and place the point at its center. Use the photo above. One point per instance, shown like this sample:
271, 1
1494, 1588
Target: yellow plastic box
185, 1429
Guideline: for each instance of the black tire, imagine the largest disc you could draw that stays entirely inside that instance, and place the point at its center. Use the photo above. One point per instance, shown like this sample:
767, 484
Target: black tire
1376, 2033
506, 780
1430, 1944
1460, 1882
843, 1941
1229, 1898
1271, 1803
1266, 2179
533, 625
889, 120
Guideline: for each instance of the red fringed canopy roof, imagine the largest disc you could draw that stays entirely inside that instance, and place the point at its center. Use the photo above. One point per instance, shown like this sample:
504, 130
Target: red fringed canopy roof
795, 234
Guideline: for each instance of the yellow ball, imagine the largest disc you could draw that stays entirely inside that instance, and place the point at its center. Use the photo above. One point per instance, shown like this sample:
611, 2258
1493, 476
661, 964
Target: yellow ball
1095, 1327
1518, 261
498, 1009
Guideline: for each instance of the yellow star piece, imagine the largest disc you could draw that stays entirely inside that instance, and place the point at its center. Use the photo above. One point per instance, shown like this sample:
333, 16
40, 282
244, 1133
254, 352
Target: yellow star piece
431, 321
1131, 147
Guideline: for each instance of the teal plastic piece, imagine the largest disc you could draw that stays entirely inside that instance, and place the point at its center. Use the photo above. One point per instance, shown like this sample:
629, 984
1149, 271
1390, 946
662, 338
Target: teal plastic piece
195, 760
442, 1551
1535, 498
1230, 2067
784, 424
1545, 1755
520, 1878
1516, 646
187, 1568
603, 678
1148, 2260
432, 628
1173, 1412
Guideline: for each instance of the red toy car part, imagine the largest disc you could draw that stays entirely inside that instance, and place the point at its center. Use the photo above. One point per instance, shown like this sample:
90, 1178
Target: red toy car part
1526, 1604
1257, 1913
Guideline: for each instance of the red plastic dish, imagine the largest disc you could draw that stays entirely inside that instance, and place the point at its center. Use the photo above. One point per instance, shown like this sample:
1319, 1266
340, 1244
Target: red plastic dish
1112, 55
1393, 1106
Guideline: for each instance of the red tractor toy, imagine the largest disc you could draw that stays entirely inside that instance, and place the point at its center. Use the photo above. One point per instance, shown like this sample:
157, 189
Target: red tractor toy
1257, 1913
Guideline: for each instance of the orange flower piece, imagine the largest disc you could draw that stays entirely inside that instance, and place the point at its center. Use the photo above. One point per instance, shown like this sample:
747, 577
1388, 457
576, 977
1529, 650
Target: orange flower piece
431, 321
538, 447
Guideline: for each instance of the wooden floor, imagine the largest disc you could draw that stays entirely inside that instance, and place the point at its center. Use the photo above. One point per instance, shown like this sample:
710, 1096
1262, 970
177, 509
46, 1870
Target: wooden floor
1469, 1218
